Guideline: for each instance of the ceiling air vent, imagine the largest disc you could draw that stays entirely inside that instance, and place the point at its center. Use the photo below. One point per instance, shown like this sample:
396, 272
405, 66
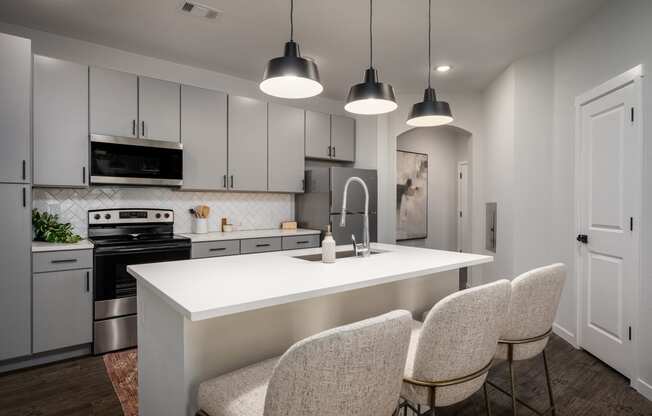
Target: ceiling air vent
199, 10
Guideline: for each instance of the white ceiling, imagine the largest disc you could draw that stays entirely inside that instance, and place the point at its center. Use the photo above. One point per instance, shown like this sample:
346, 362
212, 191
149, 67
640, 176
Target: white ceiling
479, 38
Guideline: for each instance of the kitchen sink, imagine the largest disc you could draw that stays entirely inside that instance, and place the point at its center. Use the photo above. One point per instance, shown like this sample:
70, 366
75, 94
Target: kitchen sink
338, 255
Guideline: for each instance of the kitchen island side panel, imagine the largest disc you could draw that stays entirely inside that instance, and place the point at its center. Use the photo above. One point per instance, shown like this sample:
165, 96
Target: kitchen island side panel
216, 346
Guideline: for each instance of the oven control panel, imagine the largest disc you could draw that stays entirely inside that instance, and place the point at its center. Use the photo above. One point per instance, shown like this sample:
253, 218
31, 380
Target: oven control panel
127, 216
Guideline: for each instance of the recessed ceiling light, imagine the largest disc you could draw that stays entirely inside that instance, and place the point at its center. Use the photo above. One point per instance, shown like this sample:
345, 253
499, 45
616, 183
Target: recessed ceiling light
443, 68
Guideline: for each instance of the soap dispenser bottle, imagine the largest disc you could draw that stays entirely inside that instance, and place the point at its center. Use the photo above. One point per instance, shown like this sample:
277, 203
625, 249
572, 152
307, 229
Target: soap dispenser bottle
328, 247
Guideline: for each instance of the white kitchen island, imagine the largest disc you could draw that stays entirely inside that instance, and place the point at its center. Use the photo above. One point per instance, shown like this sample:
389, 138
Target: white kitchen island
201, 318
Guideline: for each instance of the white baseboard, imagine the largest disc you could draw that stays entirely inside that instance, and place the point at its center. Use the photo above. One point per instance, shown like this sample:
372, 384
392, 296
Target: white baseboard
644, 388
565, 334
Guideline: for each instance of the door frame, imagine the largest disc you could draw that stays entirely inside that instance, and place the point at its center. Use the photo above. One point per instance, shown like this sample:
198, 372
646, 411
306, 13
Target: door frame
633, 76
460, 164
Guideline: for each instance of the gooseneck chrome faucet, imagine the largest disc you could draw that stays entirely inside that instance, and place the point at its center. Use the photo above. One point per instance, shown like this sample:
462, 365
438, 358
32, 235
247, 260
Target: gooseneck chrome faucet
365, 250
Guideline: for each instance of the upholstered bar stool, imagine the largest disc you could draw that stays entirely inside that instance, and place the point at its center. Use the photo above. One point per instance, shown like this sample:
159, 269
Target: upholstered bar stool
350, 370
534, 302
451, 352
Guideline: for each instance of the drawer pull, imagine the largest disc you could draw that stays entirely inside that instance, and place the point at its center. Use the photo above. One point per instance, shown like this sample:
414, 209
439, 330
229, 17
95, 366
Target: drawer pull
303, 242
263, 245
217, 249
64, 261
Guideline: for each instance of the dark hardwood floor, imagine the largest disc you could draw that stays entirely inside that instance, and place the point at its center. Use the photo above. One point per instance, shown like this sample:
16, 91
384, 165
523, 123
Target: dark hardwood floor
583, 386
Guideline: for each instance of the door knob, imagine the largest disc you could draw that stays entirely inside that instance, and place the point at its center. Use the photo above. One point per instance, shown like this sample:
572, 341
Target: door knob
583, 238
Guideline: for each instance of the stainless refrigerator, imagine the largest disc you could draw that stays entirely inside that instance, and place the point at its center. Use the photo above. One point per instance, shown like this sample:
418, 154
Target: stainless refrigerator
321, 204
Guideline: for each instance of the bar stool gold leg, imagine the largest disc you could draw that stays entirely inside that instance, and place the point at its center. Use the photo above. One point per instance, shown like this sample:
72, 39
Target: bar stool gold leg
550, 395
487, 405
510, 359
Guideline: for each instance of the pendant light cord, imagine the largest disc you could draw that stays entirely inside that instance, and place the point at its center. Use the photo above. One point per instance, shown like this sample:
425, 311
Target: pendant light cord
429, 40
291, 20
371, 34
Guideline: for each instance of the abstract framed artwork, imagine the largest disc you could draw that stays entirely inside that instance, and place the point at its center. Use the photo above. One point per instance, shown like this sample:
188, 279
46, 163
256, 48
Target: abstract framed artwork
411, 195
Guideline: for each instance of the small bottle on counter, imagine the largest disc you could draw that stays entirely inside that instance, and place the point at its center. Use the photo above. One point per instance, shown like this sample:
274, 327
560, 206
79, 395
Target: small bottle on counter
328, 247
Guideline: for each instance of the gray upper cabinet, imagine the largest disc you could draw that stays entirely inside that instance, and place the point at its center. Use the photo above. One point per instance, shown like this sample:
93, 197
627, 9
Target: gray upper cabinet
113, 103
286, 148
60, 123
15, 110
15, 285
247, 144
204, 138
343, 138
63, 309
318, 135
159, 109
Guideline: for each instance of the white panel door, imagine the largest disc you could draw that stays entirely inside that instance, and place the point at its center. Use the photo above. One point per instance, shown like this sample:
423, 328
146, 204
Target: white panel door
608, 198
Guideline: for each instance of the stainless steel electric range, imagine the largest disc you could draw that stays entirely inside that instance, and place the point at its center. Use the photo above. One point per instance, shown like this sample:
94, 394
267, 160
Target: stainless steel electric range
124, 237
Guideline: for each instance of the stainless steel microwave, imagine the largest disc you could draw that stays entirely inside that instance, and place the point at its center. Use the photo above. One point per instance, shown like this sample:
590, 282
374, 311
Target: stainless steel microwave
132, 161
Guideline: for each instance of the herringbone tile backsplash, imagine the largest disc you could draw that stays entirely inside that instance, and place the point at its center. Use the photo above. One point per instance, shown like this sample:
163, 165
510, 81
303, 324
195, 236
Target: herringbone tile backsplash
247, 211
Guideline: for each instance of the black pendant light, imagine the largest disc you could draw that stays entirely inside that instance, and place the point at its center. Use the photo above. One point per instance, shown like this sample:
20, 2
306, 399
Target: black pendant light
371, 96
429, 112
291, 76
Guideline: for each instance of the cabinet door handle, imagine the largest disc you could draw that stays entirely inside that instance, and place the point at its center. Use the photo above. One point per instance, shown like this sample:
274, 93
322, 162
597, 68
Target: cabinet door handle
329, 151
25, 197
262, 245
88, 281
64, 261
133, 127
142, 128
231, 181
334, 150
84, 174
225, 181
24, 169
303, 184
217, 249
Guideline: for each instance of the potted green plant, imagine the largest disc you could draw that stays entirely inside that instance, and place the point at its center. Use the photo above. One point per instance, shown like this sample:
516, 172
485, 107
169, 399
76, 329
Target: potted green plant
48, 228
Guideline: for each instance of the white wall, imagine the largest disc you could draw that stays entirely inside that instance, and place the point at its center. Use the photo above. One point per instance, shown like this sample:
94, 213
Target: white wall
443, 145
616, 39
541, 90
496, 173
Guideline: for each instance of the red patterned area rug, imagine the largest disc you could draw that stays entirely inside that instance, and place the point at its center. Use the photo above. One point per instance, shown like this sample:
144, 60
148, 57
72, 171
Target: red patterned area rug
122, 368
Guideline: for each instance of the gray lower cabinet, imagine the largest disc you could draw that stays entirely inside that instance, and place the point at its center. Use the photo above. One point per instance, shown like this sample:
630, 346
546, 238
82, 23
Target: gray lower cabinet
286, 149
15, 109
260, 245
63, 309
215, 249
318, 135
247, 144
343, 138
204, 139
300, 241
60, 123
15, 270
159, 109
113, 102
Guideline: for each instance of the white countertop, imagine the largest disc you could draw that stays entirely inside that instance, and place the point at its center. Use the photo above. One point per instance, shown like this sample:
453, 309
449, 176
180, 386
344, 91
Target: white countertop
41, 246
207, 288
243, 235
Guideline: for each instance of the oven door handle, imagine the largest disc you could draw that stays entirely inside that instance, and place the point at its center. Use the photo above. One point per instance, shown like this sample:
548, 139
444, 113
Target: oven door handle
150, 249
